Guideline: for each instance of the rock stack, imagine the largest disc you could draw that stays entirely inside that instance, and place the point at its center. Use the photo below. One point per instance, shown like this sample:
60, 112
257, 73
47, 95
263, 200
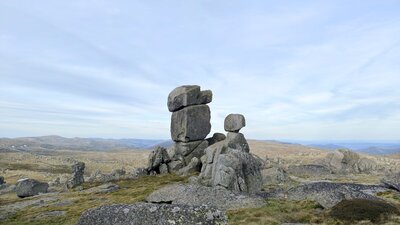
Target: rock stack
77, 176
190, 125
229, 164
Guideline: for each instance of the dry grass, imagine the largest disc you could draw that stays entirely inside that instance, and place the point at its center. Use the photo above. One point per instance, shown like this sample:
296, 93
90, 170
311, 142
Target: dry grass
19, 165
277, 212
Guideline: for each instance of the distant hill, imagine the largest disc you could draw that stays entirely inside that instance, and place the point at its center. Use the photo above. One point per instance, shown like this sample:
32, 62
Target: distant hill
362, 147
54, 142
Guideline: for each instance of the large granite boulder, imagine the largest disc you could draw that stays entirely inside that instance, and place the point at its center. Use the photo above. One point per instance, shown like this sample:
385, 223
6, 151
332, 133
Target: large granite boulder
152, 214
193, 194
237, 141
191, 123
187, 95
234, 122
30, 187
329, 194
77, 176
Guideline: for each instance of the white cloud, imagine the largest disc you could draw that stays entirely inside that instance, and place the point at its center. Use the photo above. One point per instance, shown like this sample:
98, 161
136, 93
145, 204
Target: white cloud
295, 70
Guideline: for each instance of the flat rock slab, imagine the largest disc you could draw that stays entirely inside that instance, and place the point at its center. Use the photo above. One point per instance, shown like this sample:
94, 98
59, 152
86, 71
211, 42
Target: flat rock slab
148, 214
104, 188
329, 194
193, 194
9, 210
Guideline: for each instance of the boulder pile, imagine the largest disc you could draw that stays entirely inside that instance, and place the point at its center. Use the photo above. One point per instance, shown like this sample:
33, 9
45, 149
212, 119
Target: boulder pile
229, 163
344, 161
147, 213
190, 125
223, 161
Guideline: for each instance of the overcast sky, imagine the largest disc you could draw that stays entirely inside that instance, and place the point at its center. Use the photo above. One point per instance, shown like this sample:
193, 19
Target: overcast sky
310, 70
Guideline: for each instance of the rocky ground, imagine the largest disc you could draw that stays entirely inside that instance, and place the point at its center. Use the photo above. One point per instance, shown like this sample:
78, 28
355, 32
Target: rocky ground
223, 179
290, 190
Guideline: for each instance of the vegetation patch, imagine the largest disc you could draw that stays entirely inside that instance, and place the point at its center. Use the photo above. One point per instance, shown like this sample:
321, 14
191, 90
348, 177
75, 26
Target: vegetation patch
130, 191
362, 209
277, 212
55, 169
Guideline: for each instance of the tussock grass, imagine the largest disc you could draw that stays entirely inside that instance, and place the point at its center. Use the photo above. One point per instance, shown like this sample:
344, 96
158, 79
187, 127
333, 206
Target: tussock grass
277, 212
363, 209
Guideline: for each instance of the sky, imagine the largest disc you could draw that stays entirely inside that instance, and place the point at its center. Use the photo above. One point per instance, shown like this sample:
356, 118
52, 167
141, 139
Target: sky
298, 70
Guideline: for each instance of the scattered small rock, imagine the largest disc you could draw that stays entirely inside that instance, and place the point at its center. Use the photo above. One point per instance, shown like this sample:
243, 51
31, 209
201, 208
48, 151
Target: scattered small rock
192, 194
147, 213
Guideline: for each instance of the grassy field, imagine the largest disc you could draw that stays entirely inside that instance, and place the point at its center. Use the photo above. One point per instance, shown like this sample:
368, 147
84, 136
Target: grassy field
14, 166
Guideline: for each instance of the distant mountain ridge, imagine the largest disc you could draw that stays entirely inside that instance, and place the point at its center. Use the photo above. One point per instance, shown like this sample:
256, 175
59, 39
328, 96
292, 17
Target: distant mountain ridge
54, 142
367, 147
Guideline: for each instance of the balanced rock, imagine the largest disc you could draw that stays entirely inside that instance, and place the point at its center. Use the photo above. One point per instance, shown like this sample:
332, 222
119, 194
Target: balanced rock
191, 123
147, 213
187, 95
234, 122
30, 187
77, 176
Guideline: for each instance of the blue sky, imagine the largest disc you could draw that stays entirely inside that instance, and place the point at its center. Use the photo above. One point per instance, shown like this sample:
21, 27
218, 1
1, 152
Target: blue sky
307, 70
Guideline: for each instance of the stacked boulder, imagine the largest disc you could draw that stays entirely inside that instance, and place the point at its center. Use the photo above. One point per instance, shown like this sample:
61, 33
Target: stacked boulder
77, 176
190, 125
229, 164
